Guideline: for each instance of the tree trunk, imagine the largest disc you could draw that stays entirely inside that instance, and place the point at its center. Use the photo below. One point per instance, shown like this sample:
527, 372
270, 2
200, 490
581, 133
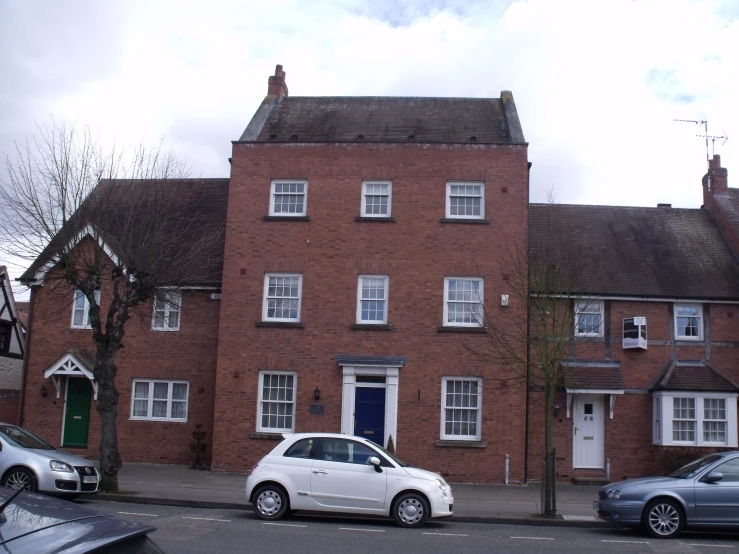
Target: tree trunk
110, 459
548, 481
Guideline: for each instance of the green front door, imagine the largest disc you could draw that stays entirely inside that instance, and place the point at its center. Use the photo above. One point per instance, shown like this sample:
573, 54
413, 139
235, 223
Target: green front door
77, 415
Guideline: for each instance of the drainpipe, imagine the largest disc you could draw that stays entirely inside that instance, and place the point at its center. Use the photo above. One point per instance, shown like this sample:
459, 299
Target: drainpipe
528, 332
507, 466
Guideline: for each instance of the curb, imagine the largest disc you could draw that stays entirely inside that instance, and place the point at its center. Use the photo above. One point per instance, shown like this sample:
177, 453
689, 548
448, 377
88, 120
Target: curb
496, 520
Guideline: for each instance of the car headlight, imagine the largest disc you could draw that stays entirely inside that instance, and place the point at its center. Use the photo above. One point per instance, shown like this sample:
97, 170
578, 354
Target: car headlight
442, 484
56, 465
614, 495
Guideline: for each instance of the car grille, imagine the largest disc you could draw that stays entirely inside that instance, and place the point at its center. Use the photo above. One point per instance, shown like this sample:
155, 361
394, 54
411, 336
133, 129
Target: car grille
602, 495
86, 471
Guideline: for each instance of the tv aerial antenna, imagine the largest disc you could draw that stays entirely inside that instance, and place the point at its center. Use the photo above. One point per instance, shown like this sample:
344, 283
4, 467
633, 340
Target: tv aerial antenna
705, 135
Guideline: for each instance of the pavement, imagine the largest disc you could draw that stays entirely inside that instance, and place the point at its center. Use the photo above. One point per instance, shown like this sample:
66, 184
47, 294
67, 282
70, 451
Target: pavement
510, 504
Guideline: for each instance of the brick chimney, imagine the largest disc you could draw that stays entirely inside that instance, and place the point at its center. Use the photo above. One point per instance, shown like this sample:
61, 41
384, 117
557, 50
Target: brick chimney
276, 84
716, 181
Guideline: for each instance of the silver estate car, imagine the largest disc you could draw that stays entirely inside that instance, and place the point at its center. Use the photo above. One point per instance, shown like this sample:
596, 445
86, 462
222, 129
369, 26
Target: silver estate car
28, 462
703, 493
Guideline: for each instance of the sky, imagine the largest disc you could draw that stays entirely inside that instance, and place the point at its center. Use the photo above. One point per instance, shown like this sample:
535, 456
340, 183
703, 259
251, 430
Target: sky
597, 85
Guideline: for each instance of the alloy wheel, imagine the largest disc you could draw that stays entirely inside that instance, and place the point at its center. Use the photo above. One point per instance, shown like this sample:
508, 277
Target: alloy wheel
664, 519
18, 480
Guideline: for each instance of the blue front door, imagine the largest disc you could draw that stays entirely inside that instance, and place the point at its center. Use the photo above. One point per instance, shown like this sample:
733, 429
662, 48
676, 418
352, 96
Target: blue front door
369, 414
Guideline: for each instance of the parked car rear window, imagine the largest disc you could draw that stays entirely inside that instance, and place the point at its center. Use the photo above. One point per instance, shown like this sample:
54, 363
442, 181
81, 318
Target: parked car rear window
306, 448
23, 438
694, 468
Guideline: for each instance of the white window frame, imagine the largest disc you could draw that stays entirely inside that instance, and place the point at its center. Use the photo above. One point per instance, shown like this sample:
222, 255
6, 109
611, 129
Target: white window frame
85, 307
389, 198
386, 287
172, 303
664, 403
443, 434
446, 322
580, 307
260, 400
170, 386
272, 195
265, 303
449, 186
700, 321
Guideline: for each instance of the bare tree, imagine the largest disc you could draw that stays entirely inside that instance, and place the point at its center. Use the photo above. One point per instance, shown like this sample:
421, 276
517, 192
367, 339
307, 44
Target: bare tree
100, 219
534, 333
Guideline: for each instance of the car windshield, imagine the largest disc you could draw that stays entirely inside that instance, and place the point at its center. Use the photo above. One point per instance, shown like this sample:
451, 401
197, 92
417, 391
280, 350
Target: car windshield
694, 468
391, 456
23, 438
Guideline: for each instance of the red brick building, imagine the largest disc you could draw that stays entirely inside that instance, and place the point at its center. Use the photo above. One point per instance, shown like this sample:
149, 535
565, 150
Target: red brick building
365, 237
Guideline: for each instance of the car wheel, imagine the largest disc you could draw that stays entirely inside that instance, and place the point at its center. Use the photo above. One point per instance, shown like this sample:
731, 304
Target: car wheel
411, 510
21, 478
270, 502
663, 519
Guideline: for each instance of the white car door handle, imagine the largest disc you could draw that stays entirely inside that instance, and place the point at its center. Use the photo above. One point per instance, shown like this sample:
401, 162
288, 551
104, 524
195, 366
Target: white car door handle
320, 472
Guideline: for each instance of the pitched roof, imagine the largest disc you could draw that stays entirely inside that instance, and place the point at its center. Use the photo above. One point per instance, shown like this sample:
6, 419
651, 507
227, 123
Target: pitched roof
386, 119
196, 207
629, 251
698, 376
593, 375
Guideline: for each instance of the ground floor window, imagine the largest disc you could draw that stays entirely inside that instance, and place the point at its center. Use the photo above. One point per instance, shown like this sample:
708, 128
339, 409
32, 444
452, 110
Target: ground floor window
159, 400
697, 419
461, 408
277, 401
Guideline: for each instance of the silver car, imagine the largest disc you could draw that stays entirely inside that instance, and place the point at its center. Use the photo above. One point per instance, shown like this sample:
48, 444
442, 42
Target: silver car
28, 462
703, 493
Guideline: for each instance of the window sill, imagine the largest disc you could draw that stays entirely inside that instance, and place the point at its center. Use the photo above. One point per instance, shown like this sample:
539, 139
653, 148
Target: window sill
455, 329
461, 444
162, 330
286, 218
371, 327
267, 436
473, 221
375, 219
282, 324
683, 341
157, 419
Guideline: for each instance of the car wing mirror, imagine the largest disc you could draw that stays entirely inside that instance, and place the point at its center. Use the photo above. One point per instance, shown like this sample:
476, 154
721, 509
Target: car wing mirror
375, 461
713, 477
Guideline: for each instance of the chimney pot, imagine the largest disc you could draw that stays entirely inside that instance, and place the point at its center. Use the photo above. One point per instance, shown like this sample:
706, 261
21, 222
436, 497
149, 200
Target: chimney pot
276, 85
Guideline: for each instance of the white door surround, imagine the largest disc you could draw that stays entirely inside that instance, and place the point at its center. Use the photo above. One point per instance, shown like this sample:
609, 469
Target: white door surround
349, 386
588, 431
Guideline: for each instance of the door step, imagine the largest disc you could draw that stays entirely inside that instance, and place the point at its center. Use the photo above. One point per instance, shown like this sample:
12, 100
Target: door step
589, 478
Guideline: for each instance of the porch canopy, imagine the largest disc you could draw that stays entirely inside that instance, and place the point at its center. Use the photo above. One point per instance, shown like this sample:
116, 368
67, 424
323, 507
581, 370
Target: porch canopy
593, 377
75, 363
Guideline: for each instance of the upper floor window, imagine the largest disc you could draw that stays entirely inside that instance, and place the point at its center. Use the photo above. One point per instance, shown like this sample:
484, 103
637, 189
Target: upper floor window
689, 321
5, 330
81, 309
463, 301
376, 199
167, 307
289, 198
276, 412
589, 319
282, 294
465, 200
159, 400
372, 296
461, 408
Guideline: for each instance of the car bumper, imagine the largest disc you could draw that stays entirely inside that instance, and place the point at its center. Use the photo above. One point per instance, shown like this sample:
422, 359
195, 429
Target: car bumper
64, 482
442, 505
619, 511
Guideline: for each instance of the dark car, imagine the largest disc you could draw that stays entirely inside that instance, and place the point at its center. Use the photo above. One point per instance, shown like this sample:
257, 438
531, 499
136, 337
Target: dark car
35, 524
704, 493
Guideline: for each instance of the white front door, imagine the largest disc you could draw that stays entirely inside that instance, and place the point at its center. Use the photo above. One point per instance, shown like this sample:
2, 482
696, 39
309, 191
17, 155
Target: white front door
588, 428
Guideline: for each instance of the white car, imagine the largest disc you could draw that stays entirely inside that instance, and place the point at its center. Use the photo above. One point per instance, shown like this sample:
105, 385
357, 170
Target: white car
340, 473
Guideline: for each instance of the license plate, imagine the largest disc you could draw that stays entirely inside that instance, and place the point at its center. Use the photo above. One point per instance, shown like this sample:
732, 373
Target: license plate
596, 505
92, 479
